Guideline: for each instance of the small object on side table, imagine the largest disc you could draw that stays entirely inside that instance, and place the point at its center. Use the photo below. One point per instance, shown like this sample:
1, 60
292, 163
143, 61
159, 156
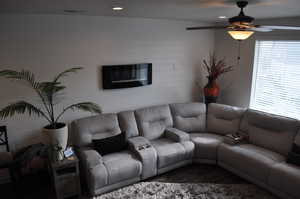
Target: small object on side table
66, 179
235, 138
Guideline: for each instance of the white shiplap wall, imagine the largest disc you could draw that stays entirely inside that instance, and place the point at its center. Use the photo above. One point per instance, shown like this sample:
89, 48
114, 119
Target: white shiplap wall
48, 44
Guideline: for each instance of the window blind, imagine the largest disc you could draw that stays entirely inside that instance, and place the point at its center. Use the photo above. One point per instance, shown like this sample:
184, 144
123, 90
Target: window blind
276, 78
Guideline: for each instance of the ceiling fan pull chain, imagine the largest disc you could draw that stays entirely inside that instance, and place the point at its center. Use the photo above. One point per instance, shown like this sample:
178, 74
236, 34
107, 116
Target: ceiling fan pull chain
239, 52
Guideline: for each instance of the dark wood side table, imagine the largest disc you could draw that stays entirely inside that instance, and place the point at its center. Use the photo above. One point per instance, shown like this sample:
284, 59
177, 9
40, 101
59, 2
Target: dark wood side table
66, 178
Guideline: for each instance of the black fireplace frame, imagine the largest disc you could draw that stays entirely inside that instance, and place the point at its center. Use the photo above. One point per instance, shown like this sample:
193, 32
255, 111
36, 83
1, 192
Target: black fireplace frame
117, 76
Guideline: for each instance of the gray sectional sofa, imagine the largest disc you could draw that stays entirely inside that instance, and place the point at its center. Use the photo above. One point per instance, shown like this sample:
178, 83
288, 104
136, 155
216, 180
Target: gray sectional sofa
162, 138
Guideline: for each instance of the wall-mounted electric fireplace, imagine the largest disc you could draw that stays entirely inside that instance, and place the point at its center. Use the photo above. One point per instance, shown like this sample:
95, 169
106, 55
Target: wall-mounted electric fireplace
126, 76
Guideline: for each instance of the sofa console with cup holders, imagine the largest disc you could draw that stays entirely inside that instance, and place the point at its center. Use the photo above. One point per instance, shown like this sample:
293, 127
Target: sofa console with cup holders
165, 137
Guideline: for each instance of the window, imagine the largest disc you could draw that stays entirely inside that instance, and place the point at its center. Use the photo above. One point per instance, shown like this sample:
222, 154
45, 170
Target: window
276, 78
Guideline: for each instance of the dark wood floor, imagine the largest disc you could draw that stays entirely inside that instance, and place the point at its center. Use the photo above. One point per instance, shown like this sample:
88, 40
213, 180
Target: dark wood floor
39, 186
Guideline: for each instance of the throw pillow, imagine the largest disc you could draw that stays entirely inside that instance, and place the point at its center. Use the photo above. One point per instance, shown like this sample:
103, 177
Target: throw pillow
112, 144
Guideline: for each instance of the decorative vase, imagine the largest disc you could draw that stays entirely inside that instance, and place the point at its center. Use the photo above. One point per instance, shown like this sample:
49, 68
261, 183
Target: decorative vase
211, 91
57, 137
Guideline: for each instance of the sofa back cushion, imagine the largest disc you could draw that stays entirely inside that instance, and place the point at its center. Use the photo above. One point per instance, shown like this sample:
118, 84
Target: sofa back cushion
223, 119
128, 123
100, 126
153, 121
270, 131
189, 117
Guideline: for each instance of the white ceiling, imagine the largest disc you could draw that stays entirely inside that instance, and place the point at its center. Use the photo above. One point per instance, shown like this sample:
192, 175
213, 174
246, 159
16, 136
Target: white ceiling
198, 10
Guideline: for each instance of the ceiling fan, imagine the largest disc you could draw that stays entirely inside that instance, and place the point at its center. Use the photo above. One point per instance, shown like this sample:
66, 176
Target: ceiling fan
241, 26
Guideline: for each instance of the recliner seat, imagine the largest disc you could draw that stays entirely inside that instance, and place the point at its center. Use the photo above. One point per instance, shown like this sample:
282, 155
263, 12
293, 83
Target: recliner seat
152, 123
104, 173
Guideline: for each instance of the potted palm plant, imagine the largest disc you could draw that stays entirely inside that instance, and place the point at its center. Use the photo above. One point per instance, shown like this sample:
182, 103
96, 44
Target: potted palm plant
48, 93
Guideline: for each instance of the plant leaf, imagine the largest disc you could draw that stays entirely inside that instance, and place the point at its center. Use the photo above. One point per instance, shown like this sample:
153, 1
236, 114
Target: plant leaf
28, 77
216, 67
65, 73
23, 75
21, 107
50, 88
84, 106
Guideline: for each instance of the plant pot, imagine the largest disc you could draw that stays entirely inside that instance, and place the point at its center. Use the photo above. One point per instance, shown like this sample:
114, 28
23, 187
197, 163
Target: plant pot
211, 92
58, 136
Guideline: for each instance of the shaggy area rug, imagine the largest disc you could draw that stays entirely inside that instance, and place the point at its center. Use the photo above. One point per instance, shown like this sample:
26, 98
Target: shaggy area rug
163, 190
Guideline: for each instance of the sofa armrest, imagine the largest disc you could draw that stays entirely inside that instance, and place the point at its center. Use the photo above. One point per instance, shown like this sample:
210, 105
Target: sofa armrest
139, 143
89, 158
93, 171
177, 135
146, 153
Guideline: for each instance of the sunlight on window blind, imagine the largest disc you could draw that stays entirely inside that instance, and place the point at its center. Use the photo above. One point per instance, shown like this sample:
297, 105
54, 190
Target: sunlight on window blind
276, 78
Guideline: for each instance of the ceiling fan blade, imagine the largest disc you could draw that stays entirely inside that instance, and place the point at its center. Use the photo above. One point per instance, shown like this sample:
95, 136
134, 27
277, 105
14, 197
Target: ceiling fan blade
280, 27
260, 29
206, 27
209, 3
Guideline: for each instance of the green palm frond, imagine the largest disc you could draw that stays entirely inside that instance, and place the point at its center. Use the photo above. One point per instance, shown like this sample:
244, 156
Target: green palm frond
49, 89
21, 107
23, 75
86, 106
65, 73
28, 77
83, 106
48, 92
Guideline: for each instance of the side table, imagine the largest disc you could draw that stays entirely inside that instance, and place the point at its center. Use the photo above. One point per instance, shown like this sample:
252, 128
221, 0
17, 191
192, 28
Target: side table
66, 178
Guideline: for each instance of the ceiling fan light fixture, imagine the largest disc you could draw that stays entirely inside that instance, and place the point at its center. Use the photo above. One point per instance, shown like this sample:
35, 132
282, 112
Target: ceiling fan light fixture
240, 34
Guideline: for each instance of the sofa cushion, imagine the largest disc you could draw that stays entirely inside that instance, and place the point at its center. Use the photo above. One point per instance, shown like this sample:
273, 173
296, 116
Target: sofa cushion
168, 152
223, 119
104, 125
189, 117
111, 144
252, 160
153, 121
128, 123
121, 166
206, 145
270, 131
285, 177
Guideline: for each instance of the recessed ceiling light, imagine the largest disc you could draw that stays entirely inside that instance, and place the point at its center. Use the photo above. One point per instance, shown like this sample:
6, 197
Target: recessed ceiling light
222, 17
117, 8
